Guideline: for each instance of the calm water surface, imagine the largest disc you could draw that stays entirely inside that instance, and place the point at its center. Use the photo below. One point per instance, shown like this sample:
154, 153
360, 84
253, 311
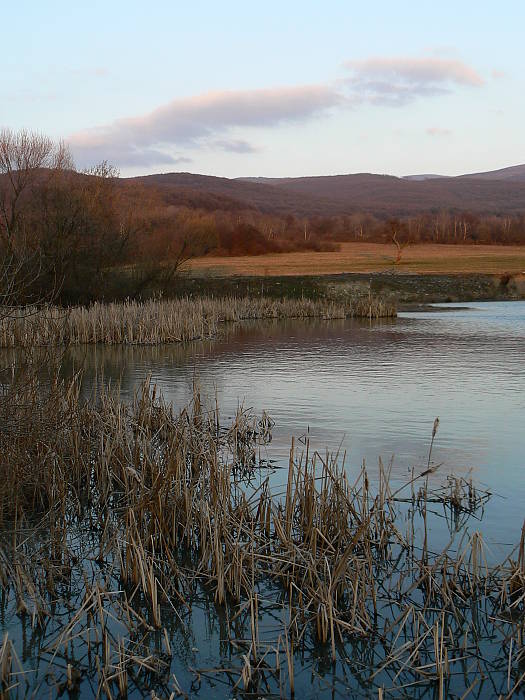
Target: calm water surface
371, 389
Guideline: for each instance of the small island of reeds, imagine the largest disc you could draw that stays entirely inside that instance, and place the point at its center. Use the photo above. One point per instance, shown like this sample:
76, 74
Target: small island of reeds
167, 321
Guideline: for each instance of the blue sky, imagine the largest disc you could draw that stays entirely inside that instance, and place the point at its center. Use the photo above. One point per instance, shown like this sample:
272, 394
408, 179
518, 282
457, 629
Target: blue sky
275, 88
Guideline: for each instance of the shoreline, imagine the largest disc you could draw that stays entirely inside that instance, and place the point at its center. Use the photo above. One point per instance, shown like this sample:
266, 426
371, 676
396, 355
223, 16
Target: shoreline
396, 287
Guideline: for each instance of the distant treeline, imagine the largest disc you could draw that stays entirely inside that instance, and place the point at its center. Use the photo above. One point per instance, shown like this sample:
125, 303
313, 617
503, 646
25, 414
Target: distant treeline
443, 227
252, 233
226, 225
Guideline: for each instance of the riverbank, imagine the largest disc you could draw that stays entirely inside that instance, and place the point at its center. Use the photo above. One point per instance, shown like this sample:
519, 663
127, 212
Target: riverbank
393, 287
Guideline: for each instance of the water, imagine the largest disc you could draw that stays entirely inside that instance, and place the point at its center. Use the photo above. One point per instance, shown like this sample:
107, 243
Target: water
371, 390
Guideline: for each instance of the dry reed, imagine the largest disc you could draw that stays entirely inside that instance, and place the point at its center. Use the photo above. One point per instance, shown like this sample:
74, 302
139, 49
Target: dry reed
119, 518
153, 322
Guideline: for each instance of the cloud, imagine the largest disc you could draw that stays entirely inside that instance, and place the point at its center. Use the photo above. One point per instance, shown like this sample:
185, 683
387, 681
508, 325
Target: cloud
194, 121
133, 157
233, 145
397, 81
210, 120
438, 131
498, 74
125, 155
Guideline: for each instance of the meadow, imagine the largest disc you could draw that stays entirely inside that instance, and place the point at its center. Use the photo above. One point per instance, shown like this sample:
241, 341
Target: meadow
373, 257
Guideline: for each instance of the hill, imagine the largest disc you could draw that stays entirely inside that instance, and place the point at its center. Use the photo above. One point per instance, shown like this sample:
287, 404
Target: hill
221, 193
394, 196
502, 192
514, 172
425, 176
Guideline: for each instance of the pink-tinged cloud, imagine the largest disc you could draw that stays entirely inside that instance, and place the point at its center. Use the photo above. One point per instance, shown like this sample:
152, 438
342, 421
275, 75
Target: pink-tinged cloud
209, 121
398, 80
438, 131
197, 121
233, 146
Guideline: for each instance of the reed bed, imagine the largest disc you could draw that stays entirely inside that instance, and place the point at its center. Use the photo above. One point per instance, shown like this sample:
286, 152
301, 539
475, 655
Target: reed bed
123, 525
166, 321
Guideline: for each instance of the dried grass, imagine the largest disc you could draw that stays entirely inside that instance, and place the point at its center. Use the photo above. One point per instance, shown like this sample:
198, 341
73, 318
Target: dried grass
169, 321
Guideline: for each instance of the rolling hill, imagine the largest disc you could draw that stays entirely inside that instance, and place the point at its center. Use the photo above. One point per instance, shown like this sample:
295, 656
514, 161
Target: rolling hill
497, 192
514, 172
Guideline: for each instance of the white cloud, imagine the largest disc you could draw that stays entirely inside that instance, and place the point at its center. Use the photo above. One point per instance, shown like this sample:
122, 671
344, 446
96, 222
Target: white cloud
397, 80
208, 120
233, 145
438, 131
195, 121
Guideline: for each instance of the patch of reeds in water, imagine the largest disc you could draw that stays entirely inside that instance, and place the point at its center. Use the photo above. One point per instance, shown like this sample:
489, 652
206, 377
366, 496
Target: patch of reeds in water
121, 521
167, 321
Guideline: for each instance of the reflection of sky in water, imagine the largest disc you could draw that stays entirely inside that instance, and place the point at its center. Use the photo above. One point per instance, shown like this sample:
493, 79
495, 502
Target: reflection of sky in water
375, 389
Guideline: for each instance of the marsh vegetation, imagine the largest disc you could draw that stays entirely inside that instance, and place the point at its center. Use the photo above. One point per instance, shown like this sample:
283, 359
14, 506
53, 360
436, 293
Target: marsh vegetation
133, 535
158, 321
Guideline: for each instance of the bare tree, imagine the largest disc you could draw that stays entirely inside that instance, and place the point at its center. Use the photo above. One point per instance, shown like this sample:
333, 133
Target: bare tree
397, 229
23, 156
60, 230
26, 159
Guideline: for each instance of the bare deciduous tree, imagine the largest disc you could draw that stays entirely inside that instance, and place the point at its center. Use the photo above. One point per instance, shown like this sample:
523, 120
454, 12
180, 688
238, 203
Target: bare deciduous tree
23, 156
398, 229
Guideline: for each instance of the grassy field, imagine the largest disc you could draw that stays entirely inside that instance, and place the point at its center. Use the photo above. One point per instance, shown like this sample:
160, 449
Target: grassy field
372, 257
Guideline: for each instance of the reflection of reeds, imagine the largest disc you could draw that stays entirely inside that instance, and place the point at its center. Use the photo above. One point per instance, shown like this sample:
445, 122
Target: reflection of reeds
121, 516
154, 322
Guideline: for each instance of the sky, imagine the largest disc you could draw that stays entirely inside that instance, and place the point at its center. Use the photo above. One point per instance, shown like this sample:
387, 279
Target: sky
274, 89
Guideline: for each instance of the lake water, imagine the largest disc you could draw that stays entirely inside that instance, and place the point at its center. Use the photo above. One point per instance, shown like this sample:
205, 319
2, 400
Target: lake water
369, 389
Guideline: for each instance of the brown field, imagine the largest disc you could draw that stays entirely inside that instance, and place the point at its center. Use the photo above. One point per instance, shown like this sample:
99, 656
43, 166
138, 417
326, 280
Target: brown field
372, 257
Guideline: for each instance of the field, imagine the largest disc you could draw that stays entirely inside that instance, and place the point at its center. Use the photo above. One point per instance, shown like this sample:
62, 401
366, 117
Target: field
373, 257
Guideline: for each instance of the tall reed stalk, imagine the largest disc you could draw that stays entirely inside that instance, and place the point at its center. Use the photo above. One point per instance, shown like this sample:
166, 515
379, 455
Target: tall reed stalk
158, 321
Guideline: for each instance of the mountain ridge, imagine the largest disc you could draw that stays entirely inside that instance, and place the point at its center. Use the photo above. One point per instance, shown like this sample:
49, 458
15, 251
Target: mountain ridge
500, 192
512, 172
